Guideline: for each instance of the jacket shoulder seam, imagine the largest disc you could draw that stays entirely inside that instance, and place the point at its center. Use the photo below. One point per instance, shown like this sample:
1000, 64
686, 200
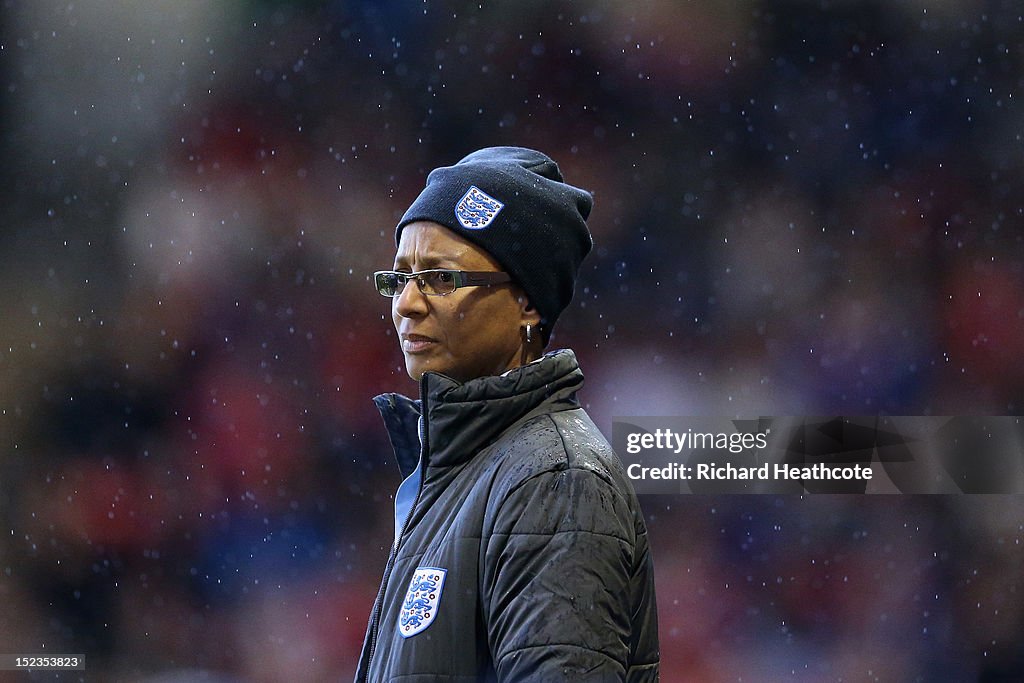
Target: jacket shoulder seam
563, 463
557, 532
602, 473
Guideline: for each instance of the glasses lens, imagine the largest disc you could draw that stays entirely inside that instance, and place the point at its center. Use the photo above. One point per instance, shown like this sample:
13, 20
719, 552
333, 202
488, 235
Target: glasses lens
389, 284
437, 282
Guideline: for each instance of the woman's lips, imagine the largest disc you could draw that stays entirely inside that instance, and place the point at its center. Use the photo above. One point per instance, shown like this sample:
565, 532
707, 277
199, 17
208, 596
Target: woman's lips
416, 343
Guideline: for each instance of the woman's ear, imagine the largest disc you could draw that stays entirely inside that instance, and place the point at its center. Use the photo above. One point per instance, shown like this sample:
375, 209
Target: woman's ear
529, 326
527, 313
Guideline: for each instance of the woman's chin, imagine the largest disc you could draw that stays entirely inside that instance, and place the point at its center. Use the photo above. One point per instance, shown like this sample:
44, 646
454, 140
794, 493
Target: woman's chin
416, 366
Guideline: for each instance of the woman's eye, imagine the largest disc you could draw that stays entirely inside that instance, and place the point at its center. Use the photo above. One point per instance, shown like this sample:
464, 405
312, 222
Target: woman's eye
444, 277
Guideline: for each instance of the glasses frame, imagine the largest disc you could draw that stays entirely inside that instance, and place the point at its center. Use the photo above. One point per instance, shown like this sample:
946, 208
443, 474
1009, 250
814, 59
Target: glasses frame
460, 278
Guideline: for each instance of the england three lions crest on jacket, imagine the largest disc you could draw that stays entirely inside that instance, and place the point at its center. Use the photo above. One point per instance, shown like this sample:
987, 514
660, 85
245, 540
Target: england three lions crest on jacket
421, 600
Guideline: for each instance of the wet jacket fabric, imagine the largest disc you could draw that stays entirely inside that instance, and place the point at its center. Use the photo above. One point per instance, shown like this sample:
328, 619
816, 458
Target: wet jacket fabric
521, 553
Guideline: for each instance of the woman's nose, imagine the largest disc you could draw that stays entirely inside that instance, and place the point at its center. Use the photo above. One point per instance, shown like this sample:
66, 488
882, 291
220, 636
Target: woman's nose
411, 302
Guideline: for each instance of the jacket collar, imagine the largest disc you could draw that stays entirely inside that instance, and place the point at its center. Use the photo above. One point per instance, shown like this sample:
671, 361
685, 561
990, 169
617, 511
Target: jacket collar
460, 419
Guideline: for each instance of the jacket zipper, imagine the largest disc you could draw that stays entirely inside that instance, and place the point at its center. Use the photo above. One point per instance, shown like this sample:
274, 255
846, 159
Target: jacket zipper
378, 606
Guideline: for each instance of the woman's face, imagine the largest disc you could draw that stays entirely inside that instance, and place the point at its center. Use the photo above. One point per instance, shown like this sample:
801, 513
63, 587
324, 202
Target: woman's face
472, 332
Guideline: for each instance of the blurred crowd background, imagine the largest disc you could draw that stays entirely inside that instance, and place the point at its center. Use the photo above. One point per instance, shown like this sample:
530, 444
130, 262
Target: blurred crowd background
801, 208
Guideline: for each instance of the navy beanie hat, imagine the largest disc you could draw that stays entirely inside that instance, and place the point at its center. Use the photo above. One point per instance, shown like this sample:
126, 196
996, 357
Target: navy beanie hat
513, 203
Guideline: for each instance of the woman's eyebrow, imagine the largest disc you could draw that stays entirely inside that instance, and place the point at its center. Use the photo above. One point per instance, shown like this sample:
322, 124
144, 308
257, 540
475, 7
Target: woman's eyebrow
431, 261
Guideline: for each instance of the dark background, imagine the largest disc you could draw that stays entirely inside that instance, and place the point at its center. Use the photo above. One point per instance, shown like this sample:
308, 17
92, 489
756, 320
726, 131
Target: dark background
801, 208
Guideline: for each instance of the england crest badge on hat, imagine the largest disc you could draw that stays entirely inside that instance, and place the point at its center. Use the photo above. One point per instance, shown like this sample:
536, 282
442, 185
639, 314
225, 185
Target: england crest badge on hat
421, 600
477, 209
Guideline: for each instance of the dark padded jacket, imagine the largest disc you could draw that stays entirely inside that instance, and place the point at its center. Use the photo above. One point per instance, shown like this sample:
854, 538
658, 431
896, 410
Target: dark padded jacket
521, 553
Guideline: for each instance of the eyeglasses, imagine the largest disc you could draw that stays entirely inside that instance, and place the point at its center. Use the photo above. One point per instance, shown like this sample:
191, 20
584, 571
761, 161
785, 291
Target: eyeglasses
435, 282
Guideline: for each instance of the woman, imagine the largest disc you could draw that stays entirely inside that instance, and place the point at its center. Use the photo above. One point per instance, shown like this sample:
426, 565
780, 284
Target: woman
520, 552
